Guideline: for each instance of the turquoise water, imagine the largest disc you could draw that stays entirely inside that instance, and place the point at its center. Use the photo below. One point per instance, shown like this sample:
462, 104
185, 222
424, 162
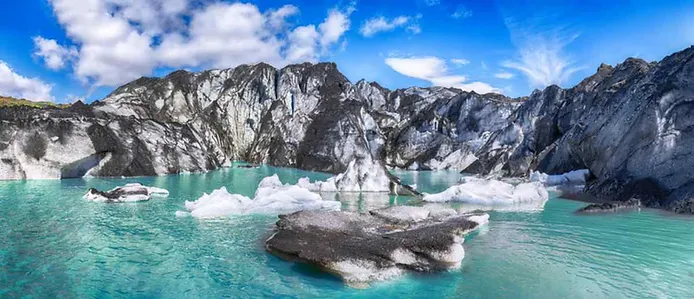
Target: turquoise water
55, 244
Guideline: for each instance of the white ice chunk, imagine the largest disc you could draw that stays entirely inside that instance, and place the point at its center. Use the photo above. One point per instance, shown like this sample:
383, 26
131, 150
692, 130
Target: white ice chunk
362, 175
129, 193
272, 197
575, 177
490, 192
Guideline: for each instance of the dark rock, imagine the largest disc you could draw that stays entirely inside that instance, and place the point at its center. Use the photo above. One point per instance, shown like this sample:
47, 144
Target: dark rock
611, 207
376, 246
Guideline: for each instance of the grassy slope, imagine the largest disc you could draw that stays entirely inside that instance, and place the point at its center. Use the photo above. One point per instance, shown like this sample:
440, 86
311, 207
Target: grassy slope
12, 102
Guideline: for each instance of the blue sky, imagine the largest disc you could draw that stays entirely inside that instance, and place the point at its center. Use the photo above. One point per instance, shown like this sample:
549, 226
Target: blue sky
64, 50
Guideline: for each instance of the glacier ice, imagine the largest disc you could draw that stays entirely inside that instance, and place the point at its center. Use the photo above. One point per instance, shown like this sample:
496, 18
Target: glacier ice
271, 197
128, 193
490, 192
575, 177
362, 175
379, 245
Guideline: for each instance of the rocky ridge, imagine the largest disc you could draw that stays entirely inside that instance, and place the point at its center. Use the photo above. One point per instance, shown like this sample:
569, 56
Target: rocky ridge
626, 124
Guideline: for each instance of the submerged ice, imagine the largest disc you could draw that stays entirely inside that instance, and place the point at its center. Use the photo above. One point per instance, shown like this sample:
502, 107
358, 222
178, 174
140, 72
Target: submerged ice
271, 197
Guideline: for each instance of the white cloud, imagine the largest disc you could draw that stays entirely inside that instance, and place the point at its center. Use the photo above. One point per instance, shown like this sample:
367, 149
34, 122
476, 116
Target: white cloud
504, 75
381, 24
302, 44
334, 26
54, 55
278, 18
461, 12
71, 98
414, 29
460, 61
121, 40
18, 86
435, 70
541, 57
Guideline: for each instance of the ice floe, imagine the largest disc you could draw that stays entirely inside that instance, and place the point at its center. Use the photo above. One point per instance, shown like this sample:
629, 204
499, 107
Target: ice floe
271, 197
128, 193
490, 192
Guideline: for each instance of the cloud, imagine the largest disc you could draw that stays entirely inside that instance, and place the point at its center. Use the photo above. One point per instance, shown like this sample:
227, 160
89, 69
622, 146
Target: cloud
540, 36
461, 12
54, 56
334, 26
302, 44
435, 70
504, 75
540, 55
71, 98
120, 40
381, 24
460, 61
18, 86
278, 18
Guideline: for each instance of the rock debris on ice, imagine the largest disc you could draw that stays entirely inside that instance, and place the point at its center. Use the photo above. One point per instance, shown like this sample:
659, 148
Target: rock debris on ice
128, 193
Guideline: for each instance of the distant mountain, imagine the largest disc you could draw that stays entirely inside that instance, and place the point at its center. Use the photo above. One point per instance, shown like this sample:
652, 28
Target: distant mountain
630, 125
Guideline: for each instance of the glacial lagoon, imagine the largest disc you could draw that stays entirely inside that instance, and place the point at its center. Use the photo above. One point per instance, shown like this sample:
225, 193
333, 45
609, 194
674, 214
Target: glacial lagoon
57, 244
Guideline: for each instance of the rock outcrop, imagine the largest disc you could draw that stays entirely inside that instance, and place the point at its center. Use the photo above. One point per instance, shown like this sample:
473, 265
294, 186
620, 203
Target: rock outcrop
627, 124
377, 246
611, 207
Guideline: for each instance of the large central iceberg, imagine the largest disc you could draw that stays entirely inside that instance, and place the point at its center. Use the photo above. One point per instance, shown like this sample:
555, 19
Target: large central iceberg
378, 245
491, 192
272, 197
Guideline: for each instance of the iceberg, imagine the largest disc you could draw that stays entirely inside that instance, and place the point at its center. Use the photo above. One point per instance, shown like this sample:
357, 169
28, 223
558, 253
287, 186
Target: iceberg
576, 177
271, 197
379, 245
362, 175
129, 193
491, 193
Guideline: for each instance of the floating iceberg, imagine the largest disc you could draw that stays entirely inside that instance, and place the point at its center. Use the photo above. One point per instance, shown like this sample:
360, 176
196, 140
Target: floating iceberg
576, 177
362, 175
380, 245
272, 197
491, 192
128, 193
